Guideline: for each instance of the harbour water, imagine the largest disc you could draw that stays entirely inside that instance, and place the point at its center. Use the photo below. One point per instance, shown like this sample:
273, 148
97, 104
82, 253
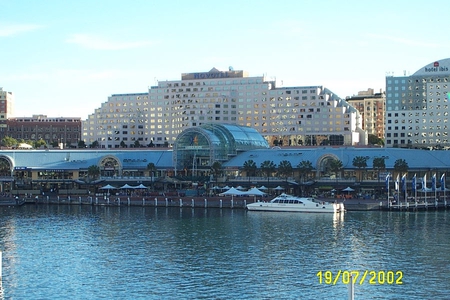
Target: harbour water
98, 252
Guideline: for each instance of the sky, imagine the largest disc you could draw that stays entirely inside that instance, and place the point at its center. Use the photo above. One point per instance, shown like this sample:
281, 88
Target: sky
65, 58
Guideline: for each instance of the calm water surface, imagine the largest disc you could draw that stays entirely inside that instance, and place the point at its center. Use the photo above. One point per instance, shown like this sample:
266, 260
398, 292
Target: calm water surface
84, 252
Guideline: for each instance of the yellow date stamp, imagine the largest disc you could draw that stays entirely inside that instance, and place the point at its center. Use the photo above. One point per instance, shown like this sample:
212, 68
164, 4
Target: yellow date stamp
361, 277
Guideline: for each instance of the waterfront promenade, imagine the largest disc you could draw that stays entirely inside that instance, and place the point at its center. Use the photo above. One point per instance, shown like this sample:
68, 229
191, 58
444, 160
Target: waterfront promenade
226, 202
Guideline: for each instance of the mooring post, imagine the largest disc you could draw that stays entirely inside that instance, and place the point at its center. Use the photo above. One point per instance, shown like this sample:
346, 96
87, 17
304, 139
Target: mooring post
1, 267
351, 289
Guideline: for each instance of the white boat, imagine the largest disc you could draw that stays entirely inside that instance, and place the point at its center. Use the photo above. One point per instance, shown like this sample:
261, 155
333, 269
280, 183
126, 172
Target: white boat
291, 203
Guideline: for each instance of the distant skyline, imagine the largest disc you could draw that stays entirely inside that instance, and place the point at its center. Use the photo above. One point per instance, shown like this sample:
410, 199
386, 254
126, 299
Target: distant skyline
64, 58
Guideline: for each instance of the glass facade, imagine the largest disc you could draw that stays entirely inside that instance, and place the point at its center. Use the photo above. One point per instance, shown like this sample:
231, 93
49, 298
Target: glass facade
197, 148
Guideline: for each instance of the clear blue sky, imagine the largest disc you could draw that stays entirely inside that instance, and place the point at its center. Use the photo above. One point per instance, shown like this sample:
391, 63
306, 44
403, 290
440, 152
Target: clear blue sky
64, 58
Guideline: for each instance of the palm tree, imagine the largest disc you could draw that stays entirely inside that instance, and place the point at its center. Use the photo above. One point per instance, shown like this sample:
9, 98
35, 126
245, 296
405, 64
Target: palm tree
151, 168
249, 167
336, 166
93, 172
379, 164
285, 169
216, 169
361, 163
400, 166
304, 167
268, 167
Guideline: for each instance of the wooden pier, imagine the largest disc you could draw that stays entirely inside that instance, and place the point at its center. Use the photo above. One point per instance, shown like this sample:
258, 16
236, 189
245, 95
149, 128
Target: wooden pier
416, 206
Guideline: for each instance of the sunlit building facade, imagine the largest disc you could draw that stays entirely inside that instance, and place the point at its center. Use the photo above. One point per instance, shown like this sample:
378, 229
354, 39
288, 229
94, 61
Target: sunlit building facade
6, 110
309, 115
371, 107
121, 122
417, 110
62, 131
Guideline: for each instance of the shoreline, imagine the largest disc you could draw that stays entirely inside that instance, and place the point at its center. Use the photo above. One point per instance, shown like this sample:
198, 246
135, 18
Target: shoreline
211, 202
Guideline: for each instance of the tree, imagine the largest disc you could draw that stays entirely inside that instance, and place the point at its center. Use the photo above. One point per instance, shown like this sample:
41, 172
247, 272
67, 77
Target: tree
379, 164
361, 163
9, 142
81, 144
336, 166
122, 144
400, 166
374, 140
249, 167
38, 144
216, 169
304, 167
268, 167
137, 144
284, 169
151, 168
95, 144
93, 172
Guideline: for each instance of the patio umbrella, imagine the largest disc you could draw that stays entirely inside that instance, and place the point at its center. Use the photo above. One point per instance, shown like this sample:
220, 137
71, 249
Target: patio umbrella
126, 186
255, 192
232, 191
141, 186
262, 188
348, 189
278, 188
108, 187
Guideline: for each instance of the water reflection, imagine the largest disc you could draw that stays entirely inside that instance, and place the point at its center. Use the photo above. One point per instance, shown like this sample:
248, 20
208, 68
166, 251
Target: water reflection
172, 252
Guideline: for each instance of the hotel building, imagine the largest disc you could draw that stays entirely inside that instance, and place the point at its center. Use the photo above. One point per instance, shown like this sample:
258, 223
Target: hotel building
309, 115
417, 107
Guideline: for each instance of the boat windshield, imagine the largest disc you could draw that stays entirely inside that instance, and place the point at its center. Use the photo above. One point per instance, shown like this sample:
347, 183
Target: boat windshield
287, 201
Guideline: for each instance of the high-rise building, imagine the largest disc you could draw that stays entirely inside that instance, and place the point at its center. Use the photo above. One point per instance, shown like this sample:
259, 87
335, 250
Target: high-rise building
308, 115
6, 109
371, 106
417, 107
120, 122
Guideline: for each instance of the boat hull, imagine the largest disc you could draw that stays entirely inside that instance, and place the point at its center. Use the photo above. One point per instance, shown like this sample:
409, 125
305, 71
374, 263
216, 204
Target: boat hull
318, 208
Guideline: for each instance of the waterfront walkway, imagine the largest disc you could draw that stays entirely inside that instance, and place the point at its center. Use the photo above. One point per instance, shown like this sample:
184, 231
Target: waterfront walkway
214, 202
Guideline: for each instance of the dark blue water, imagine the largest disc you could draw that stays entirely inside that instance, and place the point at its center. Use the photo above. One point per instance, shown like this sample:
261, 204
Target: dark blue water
85, 252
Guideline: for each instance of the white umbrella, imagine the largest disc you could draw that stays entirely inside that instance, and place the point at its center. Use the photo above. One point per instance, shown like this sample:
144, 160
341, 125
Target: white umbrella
232, 191
141, 186
239, 188
278, 188
263, 188
348, 189
108, 187
126, 186
255, 192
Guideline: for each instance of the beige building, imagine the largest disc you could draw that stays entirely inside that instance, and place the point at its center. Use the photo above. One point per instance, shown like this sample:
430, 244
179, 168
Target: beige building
372, 107
6, 109
301, 115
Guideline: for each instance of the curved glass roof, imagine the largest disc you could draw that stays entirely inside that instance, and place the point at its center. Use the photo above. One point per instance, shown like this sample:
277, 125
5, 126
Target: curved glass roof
215, 142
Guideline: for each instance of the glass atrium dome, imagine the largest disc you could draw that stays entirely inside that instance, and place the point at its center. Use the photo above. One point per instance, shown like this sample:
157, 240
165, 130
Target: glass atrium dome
199, 147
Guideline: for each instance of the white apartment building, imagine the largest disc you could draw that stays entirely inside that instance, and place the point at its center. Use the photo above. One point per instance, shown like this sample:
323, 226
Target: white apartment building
417, 107
120, 122
310, 115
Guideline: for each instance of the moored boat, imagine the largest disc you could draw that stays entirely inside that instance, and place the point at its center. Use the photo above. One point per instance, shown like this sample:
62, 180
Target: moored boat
285, 202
